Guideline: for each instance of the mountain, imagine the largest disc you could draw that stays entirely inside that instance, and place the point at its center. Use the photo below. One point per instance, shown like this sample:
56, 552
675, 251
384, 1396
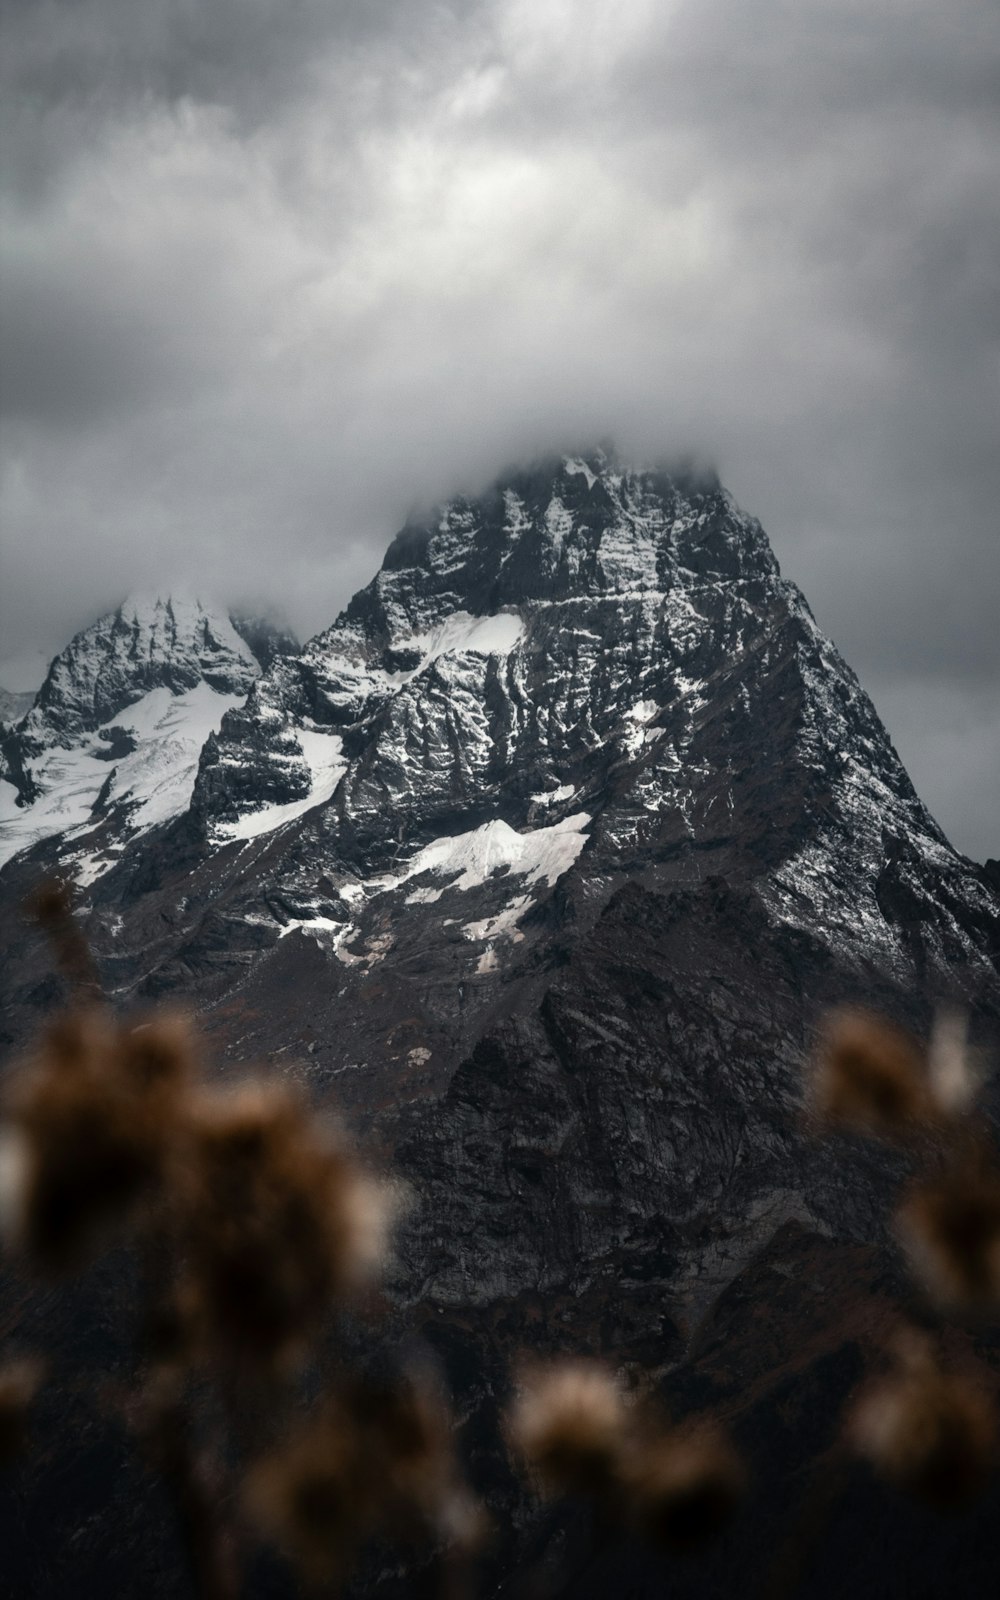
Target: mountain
590, 683
109, 746
544, 860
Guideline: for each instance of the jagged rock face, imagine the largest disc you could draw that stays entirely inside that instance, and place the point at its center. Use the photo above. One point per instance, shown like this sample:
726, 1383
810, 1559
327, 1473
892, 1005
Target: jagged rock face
502, 643
121, 717
470, 837
592, 682
543, 860
590, 666
148, 643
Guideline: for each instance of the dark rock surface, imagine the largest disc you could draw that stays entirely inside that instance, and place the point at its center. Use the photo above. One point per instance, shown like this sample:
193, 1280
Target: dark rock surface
543, 862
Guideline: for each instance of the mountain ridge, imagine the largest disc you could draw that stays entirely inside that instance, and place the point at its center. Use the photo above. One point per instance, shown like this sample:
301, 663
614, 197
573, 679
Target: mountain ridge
155, 671
543, 862
585, 641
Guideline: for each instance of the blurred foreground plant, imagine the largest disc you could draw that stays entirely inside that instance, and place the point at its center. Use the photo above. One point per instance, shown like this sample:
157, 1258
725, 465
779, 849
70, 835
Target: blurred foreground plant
256, 1227
924, 1430
258, 1231
577, 1434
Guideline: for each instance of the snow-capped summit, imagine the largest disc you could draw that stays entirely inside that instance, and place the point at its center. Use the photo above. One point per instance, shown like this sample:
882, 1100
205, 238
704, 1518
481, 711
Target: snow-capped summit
121, 717
149, 642
589, 654
585, 640
482, 580
541, 862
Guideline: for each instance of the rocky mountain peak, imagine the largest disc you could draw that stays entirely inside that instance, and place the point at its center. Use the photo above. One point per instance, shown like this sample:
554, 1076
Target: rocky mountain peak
590, 673
149, 641
542, 861
491, 578
567, 527
124, 710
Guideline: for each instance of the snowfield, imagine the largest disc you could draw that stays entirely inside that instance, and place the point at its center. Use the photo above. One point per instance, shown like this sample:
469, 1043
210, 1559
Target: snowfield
154, 782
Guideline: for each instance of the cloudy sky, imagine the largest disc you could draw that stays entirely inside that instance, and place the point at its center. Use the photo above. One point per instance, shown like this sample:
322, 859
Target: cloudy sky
274, 270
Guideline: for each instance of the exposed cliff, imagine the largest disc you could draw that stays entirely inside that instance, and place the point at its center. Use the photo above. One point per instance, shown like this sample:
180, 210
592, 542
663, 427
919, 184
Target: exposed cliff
543, 860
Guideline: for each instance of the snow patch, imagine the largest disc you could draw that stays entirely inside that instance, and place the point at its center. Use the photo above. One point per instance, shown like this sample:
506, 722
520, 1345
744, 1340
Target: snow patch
641, 715
504, 922
574, 465
423, 897
643, 711
323, 753
552, 797
558, 523
154, 781
468, 860
322, 929
461, 634
691, 688
540, 856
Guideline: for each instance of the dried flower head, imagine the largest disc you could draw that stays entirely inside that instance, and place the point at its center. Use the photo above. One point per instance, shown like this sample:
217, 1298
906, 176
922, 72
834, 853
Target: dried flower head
930, 1433
870, 1075
683, 1486
950, 1230
278, 1221
375, 1456
15, 1170
52, 908
51, 903
19, 1382
570, 1424
161, 1055
952, 1069
313, 1497
90, 1136
408, 1445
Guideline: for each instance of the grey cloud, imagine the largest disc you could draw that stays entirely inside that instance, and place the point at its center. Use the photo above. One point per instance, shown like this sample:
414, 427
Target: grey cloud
276, 271
73, 70
948, 735
247, 54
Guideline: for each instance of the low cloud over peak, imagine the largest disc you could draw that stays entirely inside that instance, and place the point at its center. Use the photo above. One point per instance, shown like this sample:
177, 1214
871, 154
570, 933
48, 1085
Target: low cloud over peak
276, 272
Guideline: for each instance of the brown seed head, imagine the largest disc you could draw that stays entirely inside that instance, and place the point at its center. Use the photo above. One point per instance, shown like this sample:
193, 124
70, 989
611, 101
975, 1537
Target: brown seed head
870, 1075
407, 1440
279, 1222
81, 1039
376, 1456
19, 1382
51, 903
93, 1140
931, 1434
683, 1486
52, 908
160, 1056
570, 1425
313, 1497
954, 1072
950, 1230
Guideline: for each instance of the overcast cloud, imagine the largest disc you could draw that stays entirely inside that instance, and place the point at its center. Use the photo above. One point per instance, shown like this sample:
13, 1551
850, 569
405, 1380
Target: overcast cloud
277, 269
